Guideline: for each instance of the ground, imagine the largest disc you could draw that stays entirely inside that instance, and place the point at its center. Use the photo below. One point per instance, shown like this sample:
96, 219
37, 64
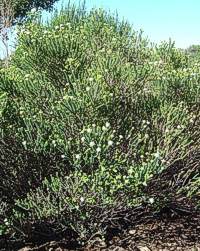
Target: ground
167, 231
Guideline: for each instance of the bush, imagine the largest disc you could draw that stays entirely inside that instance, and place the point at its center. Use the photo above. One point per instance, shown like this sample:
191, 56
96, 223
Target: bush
90, 112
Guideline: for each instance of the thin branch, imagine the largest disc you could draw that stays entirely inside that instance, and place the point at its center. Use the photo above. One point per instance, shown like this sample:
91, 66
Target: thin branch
6, 20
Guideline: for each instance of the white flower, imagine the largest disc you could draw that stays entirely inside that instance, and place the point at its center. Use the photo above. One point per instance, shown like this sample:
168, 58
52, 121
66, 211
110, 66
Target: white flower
53, 142
178, 127
111, 94
70, 97
92, 143
143, 121
6, 222
83, 139
157, 155
87, 88
151, 200
191, 120
81, 199
167, 130
93, 125
78, 156
98, 149
103, 128
24, 143
163, 161
46, 32
89, 130
107, 124
90, 79
57, 27
110, 142
120, 136
62, 156
27, 75
33, 10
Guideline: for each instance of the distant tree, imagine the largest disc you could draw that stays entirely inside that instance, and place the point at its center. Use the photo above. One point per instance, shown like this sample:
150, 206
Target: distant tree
194, 51
1, 63
15, 11
6, 21
22, 7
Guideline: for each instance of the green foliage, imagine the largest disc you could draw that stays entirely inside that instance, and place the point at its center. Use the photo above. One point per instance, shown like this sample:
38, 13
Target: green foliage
74, 201
191, 189
20, 8
193, 51
90, 112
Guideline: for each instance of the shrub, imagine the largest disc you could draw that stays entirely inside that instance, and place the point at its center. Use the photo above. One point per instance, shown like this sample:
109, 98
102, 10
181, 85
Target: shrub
90, 112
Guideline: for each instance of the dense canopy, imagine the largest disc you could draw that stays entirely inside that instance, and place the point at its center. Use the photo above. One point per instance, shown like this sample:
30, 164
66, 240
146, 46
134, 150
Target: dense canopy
20, 8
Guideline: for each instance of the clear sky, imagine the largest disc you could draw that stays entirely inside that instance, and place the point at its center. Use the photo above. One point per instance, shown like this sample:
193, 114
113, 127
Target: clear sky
159, 19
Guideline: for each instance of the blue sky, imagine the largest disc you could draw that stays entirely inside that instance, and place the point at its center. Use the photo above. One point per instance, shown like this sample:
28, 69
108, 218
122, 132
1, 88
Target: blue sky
159, 19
